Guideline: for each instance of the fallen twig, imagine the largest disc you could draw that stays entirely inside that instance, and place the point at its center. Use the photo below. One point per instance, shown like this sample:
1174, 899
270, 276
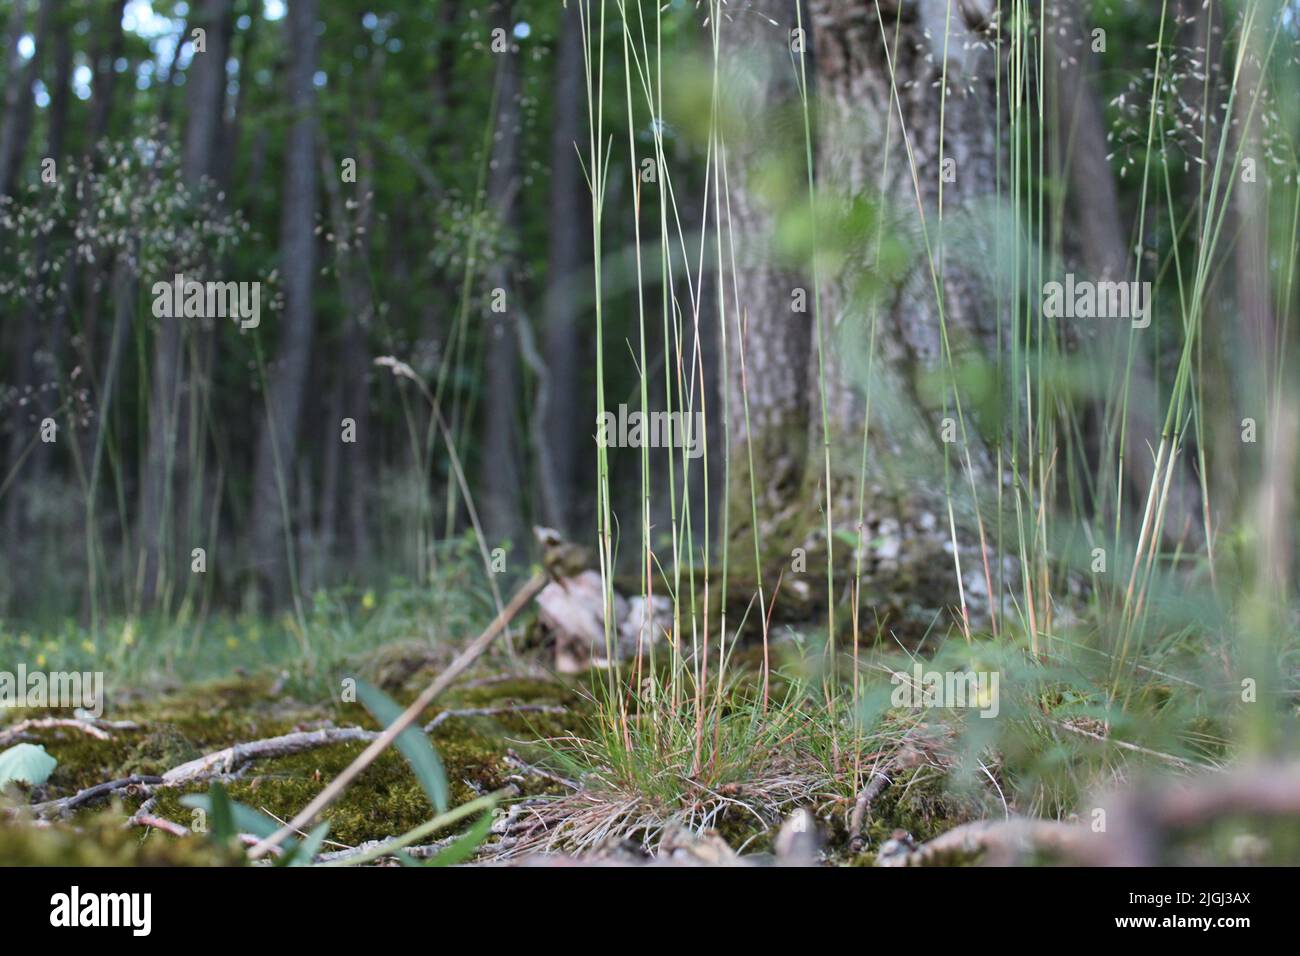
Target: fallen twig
471, 653
1138, 827
250, 839
875, 786
223, 761
1125, 745
158, 823
417, 852
1009, 841
90, 793
144, 809
514, 760
494, 712
442, 821
44, 723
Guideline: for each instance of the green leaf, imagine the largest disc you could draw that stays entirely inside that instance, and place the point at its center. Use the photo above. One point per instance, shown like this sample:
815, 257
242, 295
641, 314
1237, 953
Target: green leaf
26, 763
412, 743
222, 818
464, 848
248, 820
227, 818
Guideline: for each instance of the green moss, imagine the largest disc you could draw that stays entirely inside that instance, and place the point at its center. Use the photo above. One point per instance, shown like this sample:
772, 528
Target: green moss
100, 840
921, 802
385, 800
741, 829
83, 760
159, 750
512, 690
393, 667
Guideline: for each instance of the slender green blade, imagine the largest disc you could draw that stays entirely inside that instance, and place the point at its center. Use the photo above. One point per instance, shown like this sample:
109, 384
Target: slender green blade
465, 846
412, 743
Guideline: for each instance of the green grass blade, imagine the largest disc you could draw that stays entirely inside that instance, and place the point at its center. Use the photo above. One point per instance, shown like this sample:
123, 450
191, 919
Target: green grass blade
412, 743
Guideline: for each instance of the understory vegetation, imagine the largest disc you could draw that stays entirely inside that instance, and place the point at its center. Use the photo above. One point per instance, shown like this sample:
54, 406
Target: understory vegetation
965, 532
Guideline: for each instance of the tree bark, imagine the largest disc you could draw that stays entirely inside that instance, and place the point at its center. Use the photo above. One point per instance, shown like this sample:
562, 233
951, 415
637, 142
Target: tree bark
501, 468
38, 372
767, 304
567, 276
15, 127
352, 224
872, 345
16, 120
278, 442
1100, 232
92, 279
166, 465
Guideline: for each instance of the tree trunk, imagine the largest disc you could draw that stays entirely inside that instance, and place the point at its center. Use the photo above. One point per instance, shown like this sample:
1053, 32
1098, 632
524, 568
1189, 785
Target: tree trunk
13, 33
501, 467
38, 371
767, 304
278, 443
15, 126
166, 462
16, 120
873, 333
1101, 235
92, 280
351, 258
567, 276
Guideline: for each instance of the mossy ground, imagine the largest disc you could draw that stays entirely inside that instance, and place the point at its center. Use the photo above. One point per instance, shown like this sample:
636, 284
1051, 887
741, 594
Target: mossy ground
386, 800
178, 724
178, 720
100, 839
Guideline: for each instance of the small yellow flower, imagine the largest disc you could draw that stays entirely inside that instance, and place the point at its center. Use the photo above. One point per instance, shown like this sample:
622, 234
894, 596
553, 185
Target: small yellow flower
232, 642
368, 600
88, 646
40, 660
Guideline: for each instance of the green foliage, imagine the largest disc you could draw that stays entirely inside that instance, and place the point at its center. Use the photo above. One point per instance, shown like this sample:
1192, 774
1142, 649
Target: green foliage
25, 763
227, 820
412, 743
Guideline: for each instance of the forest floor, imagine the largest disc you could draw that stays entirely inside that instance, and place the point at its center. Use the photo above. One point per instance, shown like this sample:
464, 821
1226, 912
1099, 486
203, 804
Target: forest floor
561, 770
503, 728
